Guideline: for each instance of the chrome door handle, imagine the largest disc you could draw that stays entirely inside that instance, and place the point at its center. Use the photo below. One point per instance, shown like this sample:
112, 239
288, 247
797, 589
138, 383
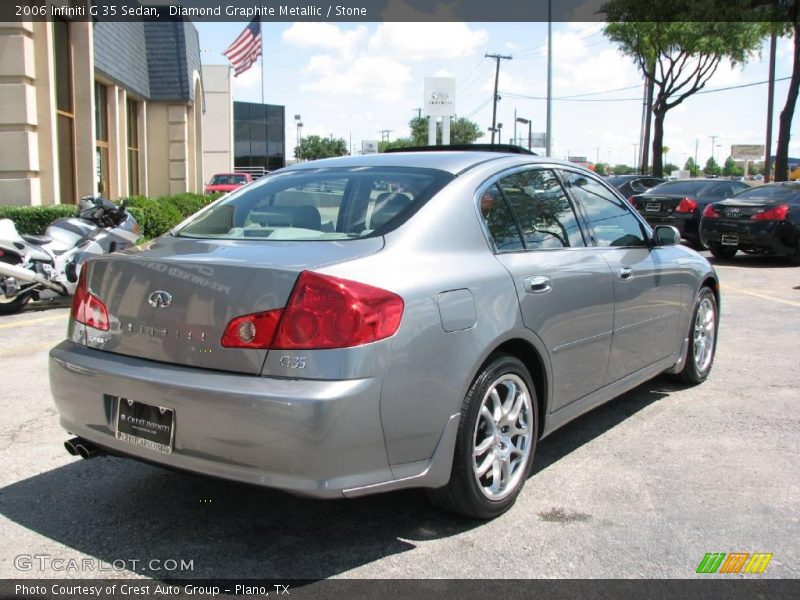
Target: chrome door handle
625, 273
537, 285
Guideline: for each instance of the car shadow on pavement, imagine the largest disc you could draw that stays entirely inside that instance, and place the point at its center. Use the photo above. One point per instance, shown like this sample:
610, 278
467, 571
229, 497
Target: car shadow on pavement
596, 422
114, 509
753, 261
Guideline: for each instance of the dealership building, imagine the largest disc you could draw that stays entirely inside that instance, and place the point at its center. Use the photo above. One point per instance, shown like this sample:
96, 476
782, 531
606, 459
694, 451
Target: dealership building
99, 107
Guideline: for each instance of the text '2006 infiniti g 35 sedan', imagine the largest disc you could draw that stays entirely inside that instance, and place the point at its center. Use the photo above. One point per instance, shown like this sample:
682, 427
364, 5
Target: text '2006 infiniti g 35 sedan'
363, 324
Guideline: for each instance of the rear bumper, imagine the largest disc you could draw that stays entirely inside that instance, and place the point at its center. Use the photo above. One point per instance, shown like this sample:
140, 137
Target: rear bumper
771, 236
311, 437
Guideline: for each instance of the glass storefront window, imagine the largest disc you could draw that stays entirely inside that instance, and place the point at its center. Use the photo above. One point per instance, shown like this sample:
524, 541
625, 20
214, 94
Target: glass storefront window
65, 117
133, 147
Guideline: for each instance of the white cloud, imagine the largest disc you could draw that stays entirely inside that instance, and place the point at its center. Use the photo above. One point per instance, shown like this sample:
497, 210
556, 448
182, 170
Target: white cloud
427, 41
382, 78
324, 35
247, 81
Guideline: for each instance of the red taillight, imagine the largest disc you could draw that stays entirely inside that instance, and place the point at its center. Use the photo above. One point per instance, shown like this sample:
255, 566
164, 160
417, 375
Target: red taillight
88, 308
252, 331
686, 205
322, 312
776, 213
327, 312
711, 212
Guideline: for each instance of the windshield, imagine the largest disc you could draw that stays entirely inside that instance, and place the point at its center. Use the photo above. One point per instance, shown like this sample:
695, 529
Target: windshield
228, 180
318, 204
773, 192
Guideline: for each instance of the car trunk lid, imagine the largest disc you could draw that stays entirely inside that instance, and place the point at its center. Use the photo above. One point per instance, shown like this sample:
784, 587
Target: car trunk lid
743, 210
657, 205
172, 300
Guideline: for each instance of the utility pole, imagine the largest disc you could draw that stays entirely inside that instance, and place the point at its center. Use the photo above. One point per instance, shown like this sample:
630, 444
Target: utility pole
385, 134
770, 102
419, 112
696, 146
713, 139
597, 159
548, 132
635, 156
497, 58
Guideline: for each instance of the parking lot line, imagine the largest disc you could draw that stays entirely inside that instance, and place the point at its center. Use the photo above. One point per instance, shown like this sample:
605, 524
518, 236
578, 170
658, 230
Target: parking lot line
15, 324
757, 295
27, 349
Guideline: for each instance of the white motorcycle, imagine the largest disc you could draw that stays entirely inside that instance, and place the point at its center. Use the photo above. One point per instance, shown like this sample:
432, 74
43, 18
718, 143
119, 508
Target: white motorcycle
39, 267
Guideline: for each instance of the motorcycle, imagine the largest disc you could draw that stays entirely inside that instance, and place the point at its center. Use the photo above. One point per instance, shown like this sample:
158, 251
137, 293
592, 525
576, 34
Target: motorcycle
36, 267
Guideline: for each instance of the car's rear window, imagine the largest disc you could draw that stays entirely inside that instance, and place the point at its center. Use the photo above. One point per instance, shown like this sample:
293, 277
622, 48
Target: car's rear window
675, 187
228, 180
318, 204
773, 192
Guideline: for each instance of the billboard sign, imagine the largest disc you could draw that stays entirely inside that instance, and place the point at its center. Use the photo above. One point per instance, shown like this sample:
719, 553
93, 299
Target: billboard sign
369, 146
440, 96
747, 151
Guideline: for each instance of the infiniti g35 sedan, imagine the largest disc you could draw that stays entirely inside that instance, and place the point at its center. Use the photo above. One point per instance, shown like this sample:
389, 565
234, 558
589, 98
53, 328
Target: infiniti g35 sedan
363, 324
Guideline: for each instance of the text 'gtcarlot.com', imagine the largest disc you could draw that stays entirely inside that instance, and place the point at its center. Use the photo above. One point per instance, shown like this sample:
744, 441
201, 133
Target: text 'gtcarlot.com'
47, 562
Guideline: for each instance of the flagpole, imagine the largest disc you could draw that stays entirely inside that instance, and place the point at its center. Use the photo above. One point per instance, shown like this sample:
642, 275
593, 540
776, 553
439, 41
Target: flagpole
262, 60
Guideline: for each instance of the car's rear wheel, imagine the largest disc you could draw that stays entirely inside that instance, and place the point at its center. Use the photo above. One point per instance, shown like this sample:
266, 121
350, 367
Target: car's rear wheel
722, 252
702, 339
496, 441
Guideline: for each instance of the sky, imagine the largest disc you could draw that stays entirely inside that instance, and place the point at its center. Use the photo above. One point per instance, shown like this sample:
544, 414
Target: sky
353, 80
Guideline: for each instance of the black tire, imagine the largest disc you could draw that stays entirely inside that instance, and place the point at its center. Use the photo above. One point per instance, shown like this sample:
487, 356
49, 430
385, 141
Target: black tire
463, 495
794, 258
692, 372
9, 307
722, 252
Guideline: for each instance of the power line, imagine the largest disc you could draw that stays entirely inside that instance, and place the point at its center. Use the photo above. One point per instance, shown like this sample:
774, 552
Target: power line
577, 98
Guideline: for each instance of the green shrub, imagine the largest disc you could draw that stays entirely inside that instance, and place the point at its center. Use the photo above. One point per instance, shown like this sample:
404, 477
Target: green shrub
33, 220
155, 216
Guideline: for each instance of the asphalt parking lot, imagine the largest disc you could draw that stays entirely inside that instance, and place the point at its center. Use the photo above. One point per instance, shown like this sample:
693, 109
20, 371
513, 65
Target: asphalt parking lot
641, 487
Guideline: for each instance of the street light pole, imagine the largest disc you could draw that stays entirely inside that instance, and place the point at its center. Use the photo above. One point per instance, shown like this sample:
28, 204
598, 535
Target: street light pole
497, 58
548, 134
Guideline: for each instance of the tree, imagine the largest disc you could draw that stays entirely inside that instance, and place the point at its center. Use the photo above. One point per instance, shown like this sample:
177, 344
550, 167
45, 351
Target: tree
692, 167
602, 168
790, 26
462, 131
313, 147
731, 169
681, 50
669, 168
623, 170
712, 168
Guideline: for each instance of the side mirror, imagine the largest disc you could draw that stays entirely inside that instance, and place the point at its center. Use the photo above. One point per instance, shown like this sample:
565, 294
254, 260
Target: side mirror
666, 235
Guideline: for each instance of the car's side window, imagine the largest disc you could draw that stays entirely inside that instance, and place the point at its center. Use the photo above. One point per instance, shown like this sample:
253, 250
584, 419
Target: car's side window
499, 220
609, 216
543, 210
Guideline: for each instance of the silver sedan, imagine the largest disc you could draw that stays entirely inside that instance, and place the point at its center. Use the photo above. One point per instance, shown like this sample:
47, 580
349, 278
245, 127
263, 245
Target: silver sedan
363, 324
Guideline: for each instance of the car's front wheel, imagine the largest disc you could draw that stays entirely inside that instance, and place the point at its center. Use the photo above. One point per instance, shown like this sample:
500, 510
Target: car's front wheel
496, 441
722, 252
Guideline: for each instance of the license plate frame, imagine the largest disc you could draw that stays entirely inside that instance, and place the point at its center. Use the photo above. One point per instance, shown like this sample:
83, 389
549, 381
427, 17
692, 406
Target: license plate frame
145, 425
652, 207
729, 240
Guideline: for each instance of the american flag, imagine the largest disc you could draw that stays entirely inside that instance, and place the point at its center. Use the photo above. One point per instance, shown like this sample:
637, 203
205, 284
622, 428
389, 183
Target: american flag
245, 49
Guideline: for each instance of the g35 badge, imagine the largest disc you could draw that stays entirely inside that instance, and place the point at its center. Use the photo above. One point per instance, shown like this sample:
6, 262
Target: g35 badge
293, 362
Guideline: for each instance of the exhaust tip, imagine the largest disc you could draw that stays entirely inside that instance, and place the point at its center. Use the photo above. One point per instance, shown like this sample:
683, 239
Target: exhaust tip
71, 446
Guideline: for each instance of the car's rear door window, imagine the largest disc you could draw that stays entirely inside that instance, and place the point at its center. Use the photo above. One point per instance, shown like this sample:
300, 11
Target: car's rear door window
319, 204
609, 216
500, 221
542, 209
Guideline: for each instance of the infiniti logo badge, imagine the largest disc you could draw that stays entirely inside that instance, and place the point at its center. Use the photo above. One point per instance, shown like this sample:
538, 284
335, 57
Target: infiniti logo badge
160, 299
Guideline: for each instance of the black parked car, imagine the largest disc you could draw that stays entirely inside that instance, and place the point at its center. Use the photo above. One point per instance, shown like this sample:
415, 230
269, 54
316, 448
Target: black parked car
681, 203
760, 220
628, 185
